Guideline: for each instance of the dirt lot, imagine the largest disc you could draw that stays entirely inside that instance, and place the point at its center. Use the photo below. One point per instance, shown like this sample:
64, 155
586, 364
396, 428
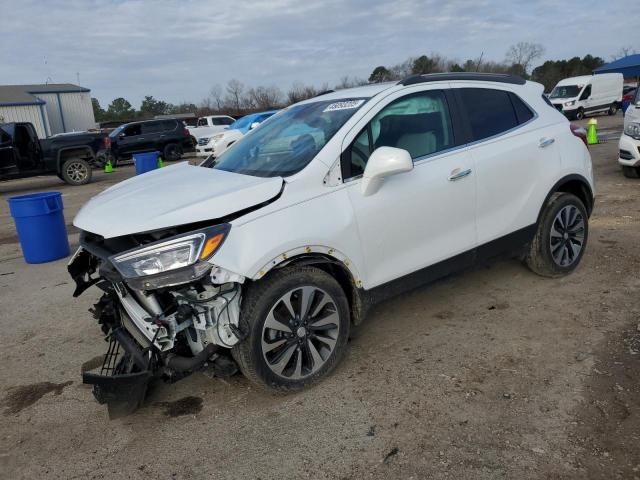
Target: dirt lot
496, 373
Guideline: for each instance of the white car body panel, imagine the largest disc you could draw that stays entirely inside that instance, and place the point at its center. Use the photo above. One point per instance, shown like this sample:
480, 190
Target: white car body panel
416, 219
606, 89
210, 128
171, 196
627, 143
216, 146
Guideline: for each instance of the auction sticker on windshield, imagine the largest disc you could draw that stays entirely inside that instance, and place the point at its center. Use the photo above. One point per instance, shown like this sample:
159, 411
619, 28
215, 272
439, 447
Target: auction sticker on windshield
346, 105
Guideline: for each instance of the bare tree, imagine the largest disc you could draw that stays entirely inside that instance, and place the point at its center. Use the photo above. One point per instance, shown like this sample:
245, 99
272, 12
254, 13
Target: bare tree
216, 96
265, 98
234, 97
524, 53
350, 82
300, 91
624, 52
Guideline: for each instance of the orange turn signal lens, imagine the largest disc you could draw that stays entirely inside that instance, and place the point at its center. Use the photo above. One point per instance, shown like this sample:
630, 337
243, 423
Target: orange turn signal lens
211, 245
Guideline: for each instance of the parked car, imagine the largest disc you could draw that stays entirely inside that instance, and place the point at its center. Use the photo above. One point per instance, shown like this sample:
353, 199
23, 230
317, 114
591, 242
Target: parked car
207, 126
627, 98
588, 94
69, 156
169, 137
266, 257
626, 89
218, 143
629, 143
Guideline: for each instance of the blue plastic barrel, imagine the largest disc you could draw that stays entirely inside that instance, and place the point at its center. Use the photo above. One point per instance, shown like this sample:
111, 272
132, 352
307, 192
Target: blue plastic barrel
40, 224
145, 162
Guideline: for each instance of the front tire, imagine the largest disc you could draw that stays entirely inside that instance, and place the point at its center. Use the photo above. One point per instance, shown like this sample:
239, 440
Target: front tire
613, 109
76, 171
631, 172
561, 238
580, 114
297, 324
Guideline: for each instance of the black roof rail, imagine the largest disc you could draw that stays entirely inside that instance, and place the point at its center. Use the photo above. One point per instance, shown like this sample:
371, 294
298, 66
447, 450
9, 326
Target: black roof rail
323, 93
472, 76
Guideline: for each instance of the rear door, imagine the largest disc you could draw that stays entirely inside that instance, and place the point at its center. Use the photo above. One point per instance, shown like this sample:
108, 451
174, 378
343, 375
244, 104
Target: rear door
514, 156
154, 136
7, 157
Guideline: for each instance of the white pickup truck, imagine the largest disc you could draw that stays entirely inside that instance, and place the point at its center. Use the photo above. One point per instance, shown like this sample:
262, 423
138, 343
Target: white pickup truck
209, 125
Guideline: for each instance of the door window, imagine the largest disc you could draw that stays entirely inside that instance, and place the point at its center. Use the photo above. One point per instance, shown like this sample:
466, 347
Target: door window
4, 137
152, 127
490, 112
586, 93
202, 122
168, 125
419, 123
132, 130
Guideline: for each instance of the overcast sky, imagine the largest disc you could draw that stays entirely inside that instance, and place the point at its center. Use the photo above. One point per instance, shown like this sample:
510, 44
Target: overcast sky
177, 50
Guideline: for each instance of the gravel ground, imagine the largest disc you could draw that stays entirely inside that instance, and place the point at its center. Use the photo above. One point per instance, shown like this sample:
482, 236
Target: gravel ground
496, 373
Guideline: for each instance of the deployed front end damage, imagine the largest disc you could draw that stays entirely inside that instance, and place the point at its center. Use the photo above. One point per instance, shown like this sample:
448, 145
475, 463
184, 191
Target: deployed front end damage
166, 311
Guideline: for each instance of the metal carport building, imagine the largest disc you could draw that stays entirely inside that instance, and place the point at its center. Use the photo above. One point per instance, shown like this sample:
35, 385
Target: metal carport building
628, 66
51, 108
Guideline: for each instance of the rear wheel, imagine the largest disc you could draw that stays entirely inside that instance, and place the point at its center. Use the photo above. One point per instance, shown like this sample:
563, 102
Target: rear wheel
172, 152
561, 238
631, 172
76, 171
297, 323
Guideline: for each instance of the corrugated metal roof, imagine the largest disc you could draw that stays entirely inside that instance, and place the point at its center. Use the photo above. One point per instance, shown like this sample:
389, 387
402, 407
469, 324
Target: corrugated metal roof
24, 94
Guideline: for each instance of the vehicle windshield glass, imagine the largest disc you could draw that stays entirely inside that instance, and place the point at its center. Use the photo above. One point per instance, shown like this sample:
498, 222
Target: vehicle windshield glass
243, 122
116, 132
565, 91
288, 141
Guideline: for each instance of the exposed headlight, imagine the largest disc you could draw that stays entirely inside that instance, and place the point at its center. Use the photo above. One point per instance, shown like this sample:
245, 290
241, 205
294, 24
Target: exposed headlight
633, 130
204, 140
172, 254
570, 104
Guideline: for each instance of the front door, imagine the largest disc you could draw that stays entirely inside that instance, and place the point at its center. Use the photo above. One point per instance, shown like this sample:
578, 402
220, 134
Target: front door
422, 217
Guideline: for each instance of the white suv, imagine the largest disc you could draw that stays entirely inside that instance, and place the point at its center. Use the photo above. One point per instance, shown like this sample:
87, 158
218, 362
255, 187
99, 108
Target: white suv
267, 256
629, 144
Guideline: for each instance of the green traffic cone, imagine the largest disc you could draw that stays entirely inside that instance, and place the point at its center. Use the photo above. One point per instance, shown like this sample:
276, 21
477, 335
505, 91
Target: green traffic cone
592, 134
160, 162
108, 168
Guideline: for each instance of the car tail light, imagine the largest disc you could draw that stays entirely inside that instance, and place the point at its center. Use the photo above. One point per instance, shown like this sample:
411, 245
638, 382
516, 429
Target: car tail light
107, 142
186, 132
579, 132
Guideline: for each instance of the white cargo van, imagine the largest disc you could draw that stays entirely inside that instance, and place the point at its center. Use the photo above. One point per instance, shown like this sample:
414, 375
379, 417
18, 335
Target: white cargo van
580, 96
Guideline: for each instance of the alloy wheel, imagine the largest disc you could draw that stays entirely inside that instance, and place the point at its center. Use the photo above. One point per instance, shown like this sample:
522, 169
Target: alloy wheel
300, 332
77, 171
567, 235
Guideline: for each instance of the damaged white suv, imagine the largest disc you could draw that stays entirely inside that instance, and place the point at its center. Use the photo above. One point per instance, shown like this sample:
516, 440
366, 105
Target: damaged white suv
265, 257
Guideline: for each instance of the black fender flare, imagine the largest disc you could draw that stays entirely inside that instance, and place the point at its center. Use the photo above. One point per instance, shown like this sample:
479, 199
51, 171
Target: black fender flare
78, 148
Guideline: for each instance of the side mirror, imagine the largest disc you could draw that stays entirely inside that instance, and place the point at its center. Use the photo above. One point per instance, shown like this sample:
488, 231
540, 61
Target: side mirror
254, 125
384, 162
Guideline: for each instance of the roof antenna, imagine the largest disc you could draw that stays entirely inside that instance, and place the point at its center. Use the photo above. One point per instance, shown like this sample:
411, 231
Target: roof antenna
479, 61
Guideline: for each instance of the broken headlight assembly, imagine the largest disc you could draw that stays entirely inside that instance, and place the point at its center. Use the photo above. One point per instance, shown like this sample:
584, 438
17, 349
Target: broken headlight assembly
170, 261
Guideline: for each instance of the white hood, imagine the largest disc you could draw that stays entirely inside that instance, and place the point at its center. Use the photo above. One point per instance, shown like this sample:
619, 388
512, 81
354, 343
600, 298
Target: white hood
171, 196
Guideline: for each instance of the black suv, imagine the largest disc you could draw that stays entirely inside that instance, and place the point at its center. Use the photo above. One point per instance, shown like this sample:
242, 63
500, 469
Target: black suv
169, 137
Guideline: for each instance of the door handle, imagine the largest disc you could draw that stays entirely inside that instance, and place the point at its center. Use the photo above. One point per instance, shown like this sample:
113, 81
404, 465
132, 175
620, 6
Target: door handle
457, 174
545, 142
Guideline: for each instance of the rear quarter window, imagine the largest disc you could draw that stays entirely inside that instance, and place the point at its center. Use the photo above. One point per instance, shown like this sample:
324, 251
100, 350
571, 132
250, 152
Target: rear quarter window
490, 112
523, 112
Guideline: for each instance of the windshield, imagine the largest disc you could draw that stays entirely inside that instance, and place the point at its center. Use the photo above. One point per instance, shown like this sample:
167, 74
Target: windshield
288, 141
565, 91
243, 122
116, 132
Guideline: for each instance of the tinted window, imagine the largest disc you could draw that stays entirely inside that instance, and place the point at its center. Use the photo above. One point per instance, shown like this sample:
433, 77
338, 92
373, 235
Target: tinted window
202, 122
152, 127
490, 111
168, 125
586, 93
222, 121
4, 137
419, 123
523, 112
131, 130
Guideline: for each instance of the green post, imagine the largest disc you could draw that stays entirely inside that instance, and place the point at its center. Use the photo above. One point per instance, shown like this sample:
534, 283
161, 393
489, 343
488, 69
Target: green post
160, 162
592, 134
